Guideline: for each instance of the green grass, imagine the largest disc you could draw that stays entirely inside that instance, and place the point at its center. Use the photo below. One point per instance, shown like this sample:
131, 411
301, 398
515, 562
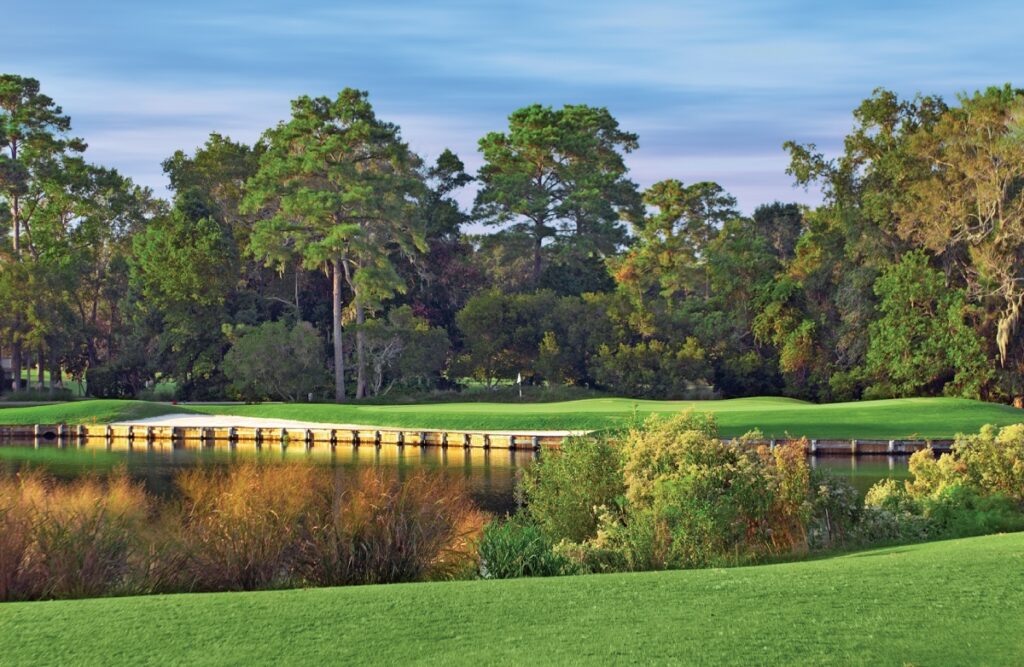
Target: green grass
776, 417
83, 412
959, 602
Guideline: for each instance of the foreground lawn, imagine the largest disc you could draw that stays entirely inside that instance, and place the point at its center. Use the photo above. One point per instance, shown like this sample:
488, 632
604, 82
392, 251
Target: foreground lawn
900, 418
959, 602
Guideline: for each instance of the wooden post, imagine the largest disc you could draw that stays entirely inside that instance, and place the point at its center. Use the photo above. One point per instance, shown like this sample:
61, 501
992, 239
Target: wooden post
355, 438
536, 443
232, 437
81, 435
284, 438
334, 438
150, 436
814, 446
37, 435
401, 439
377, 439
853, 447
487, 441
258, 437
108, 434
467, 440
308, 438
444, 440
423, 438
511, 442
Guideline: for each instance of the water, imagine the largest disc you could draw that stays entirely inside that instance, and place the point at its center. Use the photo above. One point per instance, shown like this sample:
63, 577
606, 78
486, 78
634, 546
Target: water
490, 475
863, 471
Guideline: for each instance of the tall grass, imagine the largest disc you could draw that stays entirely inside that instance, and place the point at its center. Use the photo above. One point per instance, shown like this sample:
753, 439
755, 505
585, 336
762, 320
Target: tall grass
377, 528
244, 528
251, 526
74, 540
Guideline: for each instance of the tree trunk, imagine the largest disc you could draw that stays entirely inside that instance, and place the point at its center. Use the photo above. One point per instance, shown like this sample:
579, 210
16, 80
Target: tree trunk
339, 350
536, 259
360, 350
16, 366
41, 372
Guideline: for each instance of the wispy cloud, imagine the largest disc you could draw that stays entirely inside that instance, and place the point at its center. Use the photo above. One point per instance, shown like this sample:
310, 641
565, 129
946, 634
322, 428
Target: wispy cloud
713, 87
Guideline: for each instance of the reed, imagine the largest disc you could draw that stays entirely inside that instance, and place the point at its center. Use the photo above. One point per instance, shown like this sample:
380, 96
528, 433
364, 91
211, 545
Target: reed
255, 525
83, 539
380, 529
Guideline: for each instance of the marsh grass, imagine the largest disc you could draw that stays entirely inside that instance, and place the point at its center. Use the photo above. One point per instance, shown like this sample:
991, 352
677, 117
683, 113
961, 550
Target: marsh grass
83, 539
375, 528
252, 526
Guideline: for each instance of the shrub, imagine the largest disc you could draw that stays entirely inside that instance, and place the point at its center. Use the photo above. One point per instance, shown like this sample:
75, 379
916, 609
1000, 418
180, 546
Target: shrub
566, 489
121, 378
891, 496
380, 529
690, 499
836, 511
275, 361
655, 369
994, 460
518, 548
972, 491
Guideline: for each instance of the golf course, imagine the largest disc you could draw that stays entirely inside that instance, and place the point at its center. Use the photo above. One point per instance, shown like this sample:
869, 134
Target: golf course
955, 602
773, 416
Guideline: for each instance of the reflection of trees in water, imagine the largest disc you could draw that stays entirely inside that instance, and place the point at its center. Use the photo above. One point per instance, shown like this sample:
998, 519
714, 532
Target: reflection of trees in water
489, 474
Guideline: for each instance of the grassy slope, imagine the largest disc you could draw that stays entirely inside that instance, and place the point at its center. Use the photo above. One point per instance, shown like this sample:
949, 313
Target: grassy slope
949, 603
920, 417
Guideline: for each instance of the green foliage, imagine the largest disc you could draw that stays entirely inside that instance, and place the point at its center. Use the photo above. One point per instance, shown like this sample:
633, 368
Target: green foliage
539, 334
340, 187
275, 361
567, 489
122, 378
906, 281
690, 499
922, 343
994, 460
183, 270
517, 548
404, 350
975, 490
654, 369
559, 172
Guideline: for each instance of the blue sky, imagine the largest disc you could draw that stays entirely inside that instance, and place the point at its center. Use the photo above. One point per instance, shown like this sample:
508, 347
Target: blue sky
712, 88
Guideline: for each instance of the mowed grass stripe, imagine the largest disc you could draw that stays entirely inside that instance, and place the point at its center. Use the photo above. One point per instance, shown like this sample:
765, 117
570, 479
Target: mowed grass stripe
959, 602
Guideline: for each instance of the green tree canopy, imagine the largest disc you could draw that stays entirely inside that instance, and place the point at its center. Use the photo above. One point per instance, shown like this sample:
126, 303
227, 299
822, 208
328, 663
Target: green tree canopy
339, 187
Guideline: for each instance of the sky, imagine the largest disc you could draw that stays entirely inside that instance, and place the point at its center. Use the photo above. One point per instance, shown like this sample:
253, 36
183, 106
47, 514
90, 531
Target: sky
712, 88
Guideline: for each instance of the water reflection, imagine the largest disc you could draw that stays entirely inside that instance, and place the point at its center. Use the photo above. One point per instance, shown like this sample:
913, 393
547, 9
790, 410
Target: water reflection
863, 471
490, 475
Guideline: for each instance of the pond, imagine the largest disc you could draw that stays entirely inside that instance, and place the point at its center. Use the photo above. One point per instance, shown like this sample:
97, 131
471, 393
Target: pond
490, 475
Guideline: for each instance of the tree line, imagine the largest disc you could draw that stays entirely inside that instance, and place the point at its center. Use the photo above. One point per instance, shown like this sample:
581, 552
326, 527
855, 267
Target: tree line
328, 259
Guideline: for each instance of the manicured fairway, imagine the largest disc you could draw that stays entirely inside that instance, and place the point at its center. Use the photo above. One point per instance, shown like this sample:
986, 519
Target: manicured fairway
946, 603
900, 418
